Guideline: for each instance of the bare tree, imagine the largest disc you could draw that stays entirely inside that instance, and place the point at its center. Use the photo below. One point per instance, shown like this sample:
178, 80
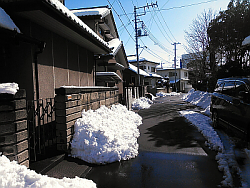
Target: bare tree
198, 49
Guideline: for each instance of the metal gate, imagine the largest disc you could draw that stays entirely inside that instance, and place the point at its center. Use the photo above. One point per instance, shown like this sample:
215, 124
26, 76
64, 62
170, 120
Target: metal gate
42, 128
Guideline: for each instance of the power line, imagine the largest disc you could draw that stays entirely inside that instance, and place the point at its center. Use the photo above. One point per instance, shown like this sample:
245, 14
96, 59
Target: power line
120, 19
183, 6
167, 25
193, 4
162, 27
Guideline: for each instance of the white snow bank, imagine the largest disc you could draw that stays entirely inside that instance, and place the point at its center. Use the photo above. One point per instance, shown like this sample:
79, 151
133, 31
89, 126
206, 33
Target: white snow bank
13, 175
162, 94
141, 103
106, 135
224, 158
10, 88
7, 22
199, 98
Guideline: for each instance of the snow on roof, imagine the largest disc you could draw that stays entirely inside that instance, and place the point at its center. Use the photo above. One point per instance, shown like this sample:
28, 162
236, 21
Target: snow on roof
246, 41
103, 12
155, 75
59, 6
10, 88
115, 44
134, 69
133, 58
6, 22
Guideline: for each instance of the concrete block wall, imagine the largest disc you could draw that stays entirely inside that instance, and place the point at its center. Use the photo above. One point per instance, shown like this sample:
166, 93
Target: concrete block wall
13, 127
69, 104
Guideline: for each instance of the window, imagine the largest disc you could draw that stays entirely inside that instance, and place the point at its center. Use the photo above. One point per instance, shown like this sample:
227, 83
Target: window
152, 69
218, 87
142, 67
172, 74
240, 89
185, 74
228, 88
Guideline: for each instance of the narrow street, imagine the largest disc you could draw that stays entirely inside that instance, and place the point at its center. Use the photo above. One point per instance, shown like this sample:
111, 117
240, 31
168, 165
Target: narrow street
171, 153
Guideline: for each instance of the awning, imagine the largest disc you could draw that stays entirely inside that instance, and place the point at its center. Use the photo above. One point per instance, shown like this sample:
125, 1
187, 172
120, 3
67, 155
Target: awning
108, 77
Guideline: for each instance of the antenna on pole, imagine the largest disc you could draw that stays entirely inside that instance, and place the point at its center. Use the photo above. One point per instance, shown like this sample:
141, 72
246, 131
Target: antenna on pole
138, 31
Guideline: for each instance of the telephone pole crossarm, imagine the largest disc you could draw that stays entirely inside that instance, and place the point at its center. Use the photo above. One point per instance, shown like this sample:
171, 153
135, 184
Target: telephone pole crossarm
137, 20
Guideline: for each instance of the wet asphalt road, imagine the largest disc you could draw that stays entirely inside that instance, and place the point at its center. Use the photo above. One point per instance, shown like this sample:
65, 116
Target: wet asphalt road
171, 154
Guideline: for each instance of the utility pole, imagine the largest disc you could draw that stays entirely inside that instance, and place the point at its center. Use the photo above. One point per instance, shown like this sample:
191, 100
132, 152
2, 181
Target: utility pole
138, 32
175, 65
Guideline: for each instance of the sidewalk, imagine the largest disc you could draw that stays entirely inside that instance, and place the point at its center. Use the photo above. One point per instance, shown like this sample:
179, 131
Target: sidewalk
61, 166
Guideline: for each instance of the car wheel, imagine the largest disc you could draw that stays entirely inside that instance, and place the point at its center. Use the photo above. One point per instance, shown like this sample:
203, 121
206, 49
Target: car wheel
215, 119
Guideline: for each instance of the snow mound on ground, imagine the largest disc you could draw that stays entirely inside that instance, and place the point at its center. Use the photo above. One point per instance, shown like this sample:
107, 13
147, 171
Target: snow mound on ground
224, 158
199, 98
162, 94
106, 135
18, 176
10, 88
141, 103
203, 125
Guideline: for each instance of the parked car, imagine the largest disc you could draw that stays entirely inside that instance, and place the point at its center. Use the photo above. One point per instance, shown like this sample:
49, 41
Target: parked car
230, 105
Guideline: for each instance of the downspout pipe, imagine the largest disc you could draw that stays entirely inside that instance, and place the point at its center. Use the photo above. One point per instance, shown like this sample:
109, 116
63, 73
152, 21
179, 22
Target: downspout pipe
41, 47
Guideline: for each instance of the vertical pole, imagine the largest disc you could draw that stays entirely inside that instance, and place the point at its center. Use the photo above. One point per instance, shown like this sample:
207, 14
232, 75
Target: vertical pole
136, 46
175, 67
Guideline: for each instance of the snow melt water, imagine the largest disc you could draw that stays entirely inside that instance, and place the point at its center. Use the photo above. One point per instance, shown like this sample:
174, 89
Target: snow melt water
106, 135
13, 175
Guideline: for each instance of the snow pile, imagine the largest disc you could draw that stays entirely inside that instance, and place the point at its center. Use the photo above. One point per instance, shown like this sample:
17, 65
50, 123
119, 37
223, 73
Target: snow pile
224, 157
203, 125
17, 176
162, 94
199, 98
141, 103
106, 135
10, 88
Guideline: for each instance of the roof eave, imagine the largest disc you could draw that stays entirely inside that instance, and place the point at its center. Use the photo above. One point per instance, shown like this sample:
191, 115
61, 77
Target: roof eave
36, 9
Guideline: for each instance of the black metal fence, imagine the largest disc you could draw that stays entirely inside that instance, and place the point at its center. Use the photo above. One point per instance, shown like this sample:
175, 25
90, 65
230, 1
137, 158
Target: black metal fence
41, 127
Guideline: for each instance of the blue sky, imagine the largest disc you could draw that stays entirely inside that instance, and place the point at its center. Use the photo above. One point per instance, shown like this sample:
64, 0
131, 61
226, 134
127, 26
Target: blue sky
166, 23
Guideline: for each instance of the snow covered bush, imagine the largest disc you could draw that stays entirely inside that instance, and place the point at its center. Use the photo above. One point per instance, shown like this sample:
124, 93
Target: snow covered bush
13, 175
141, 103
106, 135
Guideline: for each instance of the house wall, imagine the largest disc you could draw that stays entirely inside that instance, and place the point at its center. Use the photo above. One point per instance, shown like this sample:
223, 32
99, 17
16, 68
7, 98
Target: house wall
61, 63
16, 65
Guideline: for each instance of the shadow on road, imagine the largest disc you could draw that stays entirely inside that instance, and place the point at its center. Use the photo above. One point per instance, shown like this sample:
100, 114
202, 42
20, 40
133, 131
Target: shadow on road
173, 133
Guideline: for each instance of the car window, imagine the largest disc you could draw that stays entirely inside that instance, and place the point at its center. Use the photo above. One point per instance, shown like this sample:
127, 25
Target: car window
229, 88
218, 87
240, 89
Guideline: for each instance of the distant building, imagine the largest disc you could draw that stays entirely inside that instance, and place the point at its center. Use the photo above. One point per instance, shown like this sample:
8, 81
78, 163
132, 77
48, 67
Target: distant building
181, 77
149, 67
